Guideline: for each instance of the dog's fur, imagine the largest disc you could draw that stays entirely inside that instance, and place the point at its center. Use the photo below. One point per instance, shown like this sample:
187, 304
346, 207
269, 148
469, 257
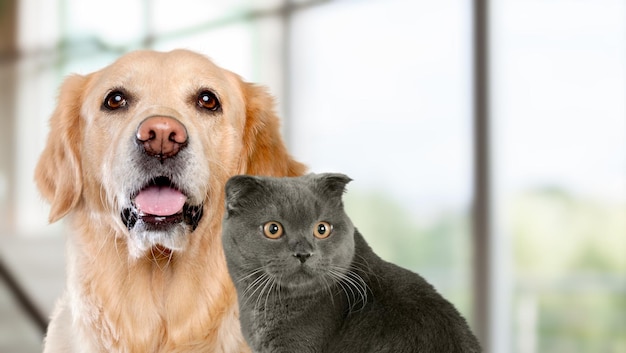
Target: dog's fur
136, 290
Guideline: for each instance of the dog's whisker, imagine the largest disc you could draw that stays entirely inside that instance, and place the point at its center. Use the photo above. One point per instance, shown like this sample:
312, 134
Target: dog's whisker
102, 244
217, 163
169, 259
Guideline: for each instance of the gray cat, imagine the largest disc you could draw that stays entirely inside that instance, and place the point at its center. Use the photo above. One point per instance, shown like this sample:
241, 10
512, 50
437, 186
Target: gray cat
308, 282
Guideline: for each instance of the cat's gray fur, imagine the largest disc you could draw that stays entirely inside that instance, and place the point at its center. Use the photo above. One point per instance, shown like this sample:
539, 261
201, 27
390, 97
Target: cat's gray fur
343, 298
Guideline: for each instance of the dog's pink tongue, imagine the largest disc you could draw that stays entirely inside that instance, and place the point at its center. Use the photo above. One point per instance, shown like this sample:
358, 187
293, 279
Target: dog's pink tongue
160, 201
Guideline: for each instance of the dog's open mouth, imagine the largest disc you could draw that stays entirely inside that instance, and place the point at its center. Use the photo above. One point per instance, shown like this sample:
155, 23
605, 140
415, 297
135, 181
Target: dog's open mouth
160, 204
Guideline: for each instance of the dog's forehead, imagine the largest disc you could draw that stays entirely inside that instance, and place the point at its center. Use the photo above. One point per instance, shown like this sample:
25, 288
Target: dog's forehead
178, 69
176, 60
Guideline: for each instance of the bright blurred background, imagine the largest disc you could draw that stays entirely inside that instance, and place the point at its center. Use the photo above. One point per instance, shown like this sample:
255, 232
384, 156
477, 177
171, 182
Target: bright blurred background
497, 172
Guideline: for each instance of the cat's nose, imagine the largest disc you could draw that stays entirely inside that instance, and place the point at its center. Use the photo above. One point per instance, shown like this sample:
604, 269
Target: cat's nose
302, 256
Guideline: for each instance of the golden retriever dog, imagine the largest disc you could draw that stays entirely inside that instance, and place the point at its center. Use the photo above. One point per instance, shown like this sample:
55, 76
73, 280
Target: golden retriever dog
136, 159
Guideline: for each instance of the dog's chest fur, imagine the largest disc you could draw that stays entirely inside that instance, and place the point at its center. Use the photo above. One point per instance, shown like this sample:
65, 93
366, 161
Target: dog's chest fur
150, 305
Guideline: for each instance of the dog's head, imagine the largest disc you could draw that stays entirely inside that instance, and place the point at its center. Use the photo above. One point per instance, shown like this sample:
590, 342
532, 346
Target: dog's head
147, 143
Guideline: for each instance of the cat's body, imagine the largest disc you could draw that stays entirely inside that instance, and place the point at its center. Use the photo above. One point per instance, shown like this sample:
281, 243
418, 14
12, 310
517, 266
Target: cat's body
308, 282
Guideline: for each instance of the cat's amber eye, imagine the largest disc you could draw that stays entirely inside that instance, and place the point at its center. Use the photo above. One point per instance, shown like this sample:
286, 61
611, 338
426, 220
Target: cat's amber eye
322, 230
273, 230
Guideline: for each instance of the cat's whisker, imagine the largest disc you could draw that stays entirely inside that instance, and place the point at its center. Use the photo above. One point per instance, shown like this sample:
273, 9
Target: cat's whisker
336, 280
328, 289
255, 286
269, 292
360, 286
352, 280
268, 280
254, 283
257, 289
364, 266
279, 287
344, 286
254, 272
358, 281
340, 276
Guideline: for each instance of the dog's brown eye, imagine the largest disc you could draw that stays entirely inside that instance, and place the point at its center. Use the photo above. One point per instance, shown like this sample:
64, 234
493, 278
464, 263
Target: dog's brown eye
208, 100
115, 100
322, 230
273, 230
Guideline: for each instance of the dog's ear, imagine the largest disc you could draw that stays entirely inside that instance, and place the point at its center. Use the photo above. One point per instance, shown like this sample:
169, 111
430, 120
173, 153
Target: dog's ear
58, 172
264, 150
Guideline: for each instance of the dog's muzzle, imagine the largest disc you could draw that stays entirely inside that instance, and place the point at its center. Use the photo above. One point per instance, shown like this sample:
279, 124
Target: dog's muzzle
161, 203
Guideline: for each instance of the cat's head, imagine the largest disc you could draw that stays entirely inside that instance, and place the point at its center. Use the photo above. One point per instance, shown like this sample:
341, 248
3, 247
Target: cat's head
293, 231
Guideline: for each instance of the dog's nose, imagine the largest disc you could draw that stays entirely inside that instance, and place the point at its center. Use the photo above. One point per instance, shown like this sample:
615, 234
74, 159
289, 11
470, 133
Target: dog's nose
161, 136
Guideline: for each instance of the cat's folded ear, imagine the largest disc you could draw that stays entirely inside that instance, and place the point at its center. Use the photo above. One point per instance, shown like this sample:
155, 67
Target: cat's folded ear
333, 185
238, 189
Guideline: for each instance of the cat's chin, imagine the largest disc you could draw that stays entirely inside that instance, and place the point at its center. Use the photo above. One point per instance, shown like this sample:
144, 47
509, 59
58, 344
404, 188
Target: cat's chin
305, 280
304, 288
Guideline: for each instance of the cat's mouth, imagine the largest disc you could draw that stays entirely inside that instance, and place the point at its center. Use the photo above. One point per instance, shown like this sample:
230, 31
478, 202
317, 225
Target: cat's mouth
304, 276
160, 204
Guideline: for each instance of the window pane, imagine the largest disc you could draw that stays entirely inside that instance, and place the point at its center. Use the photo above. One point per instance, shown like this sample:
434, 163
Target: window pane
560, 164
113, 24
385, 99
183, 16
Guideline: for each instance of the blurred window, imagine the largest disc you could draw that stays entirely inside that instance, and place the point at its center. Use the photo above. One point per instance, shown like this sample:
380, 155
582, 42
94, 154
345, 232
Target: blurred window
559, 131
